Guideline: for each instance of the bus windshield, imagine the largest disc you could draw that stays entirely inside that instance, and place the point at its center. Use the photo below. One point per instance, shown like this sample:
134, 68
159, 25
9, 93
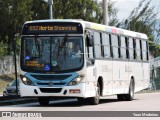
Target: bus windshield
51, 54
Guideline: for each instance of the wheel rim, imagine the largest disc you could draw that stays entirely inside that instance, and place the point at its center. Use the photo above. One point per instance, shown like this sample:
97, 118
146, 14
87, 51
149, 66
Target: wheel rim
131, 91
97, 94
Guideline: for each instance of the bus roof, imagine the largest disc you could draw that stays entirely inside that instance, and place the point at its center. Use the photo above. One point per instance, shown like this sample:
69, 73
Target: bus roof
95, 26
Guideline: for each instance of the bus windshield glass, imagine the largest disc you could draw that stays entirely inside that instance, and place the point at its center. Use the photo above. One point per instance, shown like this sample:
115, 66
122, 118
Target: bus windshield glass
51, 54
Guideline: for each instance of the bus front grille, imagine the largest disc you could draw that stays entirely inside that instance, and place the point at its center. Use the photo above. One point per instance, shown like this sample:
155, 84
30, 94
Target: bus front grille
51, 77
47, 84
50, 90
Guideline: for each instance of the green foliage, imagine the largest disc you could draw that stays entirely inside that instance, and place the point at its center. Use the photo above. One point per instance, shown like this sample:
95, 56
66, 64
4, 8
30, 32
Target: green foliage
157, 83
112, 13
3, 49
18, 43
15, 12
143, 19
77, 9
39, 10
13, 15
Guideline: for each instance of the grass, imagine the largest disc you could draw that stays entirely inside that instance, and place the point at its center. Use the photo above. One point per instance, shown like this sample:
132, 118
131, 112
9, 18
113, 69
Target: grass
5, 80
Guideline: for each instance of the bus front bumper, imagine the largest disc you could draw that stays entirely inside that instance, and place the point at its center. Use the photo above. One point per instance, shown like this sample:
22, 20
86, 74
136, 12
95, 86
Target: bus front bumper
65, 91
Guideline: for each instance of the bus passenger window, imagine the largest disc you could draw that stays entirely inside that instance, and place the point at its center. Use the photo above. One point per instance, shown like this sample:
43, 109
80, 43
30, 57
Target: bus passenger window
138, 50
97, 45
134, 47
123, 48
147, 50
141, 50
127, 47
90, 52
115, 46
144, 50
89, 49
106, 45
131, 50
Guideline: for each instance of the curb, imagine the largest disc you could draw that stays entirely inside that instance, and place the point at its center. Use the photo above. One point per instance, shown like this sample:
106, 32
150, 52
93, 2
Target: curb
14, 100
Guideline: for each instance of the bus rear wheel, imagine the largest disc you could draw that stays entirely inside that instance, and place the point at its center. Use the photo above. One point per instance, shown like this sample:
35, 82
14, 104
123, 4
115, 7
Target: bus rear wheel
43, 101
130, 95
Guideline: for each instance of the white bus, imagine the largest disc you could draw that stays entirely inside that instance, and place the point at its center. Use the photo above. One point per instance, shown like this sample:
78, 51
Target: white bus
83, 60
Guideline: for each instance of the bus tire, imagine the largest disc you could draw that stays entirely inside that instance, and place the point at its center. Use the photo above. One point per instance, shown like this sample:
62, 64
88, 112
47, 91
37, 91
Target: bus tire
43, 101
81, 100
130, 95
120, 97
95, 100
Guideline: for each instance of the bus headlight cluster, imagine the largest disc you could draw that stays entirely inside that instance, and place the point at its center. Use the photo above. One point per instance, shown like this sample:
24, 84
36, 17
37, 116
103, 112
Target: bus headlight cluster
77, 80
26, 81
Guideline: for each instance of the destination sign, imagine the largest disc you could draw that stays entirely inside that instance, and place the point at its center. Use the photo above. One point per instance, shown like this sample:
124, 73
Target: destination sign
52, 28
34, 64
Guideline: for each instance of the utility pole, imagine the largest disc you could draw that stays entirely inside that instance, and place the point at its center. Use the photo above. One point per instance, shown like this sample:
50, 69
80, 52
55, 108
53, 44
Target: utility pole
105, 12
50, 3
15, 62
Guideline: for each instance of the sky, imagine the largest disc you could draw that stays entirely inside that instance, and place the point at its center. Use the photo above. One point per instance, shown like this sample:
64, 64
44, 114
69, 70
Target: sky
126, 6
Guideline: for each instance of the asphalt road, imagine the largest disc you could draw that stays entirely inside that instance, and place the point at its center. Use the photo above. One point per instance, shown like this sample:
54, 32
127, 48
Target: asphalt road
142, 102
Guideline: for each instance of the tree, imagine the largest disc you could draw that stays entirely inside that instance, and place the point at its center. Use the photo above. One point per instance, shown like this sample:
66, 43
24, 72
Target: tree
13, 15
112, 13
143, 19
15, 12
40, 10
3, 49
76, 9
88, 10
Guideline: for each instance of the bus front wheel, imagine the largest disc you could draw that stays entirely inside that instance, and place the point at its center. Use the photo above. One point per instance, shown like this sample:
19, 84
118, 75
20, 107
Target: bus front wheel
95, 100
43, 101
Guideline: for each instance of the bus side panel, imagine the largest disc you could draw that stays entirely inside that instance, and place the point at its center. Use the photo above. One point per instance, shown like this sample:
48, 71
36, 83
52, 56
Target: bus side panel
104, 70
101, 69
90, 82
120, 76
146, 75
136, 71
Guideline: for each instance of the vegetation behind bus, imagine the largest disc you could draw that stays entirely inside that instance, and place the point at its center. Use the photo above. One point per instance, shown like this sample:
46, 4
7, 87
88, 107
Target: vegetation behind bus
15, 13
144, 19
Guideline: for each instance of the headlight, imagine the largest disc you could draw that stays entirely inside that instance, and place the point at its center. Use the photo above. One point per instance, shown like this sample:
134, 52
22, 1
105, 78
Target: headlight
76, 81
26, 81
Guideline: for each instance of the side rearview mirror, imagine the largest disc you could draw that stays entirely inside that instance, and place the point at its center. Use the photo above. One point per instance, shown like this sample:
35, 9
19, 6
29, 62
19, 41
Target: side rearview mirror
90, 62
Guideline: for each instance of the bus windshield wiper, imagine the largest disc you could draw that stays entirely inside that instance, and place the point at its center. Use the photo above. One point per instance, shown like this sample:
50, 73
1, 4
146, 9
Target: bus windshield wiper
62, 45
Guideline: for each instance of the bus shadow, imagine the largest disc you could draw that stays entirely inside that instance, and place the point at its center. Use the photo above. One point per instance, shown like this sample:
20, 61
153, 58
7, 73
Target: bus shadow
75, 103
103, 101
72, 103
